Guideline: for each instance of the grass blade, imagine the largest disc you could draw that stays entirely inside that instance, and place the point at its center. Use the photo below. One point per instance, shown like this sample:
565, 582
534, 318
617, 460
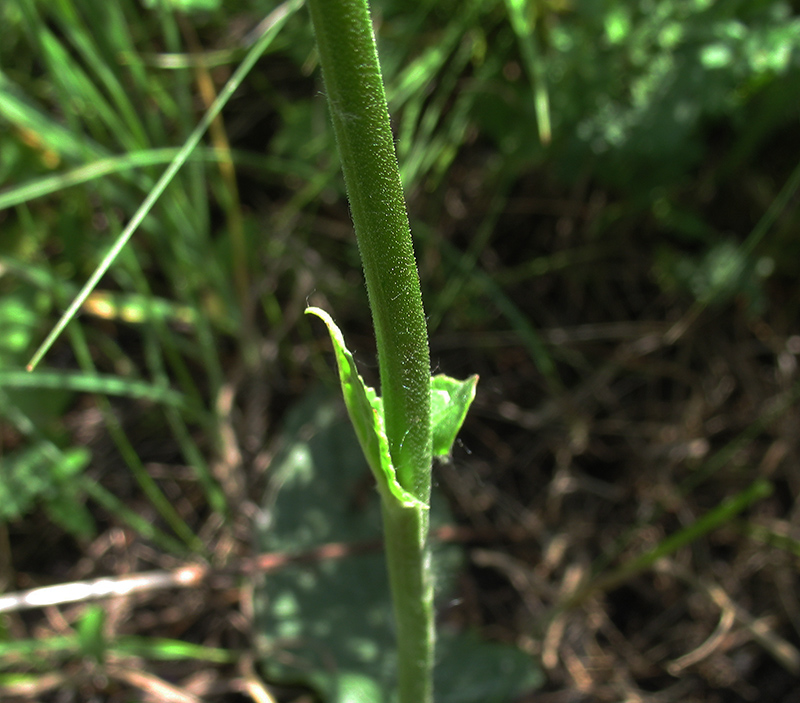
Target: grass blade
279, 18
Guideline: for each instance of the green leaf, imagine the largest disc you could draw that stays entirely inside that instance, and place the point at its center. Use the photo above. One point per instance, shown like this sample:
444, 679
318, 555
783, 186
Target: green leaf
68, 511
328, 623
34, 473
165, 649
58, 380
91, 638
470, 670
450, 401
366, 413
25, 477
19, 321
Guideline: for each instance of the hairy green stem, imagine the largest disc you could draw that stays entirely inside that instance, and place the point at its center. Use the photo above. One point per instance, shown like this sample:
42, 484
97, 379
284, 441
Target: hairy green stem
360, 118
361, 122
408, 560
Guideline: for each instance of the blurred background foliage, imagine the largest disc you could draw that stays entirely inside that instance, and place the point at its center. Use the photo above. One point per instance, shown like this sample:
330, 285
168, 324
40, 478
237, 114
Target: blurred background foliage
567, 162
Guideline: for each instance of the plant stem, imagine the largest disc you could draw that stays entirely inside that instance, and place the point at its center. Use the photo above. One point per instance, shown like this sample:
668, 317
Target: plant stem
405, 533
360, 118
361, 122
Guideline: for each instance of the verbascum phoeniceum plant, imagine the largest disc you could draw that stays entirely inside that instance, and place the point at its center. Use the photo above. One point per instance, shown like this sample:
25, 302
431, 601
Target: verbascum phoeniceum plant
417, 416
